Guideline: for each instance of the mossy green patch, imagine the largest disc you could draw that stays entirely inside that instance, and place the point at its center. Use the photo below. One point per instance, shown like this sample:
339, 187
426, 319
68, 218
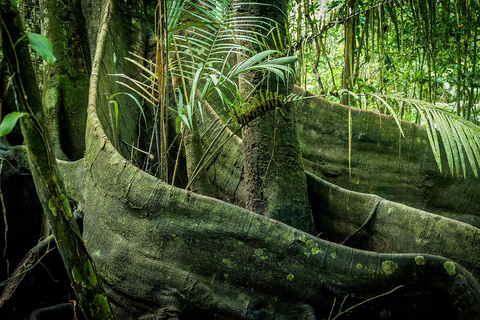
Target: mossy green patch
229, 263
179, 240
259, 254
314, 247
52, 208
290, 277
66, 205
85, 275
389, 267
359, 266
420, 260
333, 255
450, 267
102, 308
92, 278
77, 276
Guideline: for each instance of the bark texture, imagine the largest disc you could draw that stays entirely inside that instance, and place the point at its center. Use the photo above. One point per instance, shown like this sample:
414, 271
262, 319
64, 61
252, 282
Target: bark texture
400, 170
164, 252
386, 226
275, 181
236, 253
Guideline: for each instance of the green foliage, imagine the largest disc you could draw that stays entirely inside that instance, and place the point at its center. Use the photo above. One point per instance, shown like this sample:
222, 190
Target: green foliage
184, 113
460, 138
425, 50
9, 122
242, 112
115, 104
204, 43
209, 40
43, 46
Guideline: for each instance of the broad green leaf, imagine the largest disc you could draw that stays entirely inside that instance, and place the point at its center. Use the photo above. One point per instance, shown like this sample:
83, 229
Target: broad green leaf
467, 147
178, 123
447, 140
247, 64
9, 122
284, 60
43, 46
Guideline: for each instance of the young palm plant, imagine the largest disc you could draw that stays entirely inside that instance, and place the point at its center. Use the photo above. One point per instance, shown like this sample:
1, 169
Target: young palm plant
203, 40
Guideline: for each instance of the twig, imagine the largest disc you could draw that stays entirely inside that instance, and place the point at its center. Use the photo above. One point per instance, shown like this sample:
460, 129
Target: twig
151, 156
340, 312
5, 221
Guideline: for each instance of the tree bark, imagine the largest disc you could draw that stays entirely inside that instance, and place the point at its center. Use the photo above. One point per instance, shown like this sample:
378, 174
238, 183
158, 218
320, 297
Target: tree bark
273, 170
88, 289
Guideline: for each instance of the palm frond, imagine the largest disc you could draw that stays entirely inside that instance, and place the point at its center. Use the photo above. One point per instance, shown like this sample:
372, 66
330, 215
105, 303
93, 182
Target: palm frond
459, 137
211, 32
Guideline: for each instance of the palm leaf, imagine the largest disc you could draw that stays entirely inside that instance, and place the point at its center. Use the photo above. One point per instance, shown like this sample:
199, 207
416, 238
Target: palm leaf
460, 138
210, 32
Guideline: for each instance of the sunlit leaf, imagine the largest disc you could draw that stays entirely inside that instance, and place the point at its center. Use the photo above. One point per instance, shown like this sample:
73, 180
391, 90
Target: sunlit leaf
43, 46
9, 122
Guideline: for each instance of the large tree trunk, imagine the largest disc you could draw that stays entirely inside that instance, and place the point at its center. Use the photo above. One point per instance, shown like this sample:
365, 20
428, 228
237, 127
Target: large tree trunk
177, 267
275, 181
166, 252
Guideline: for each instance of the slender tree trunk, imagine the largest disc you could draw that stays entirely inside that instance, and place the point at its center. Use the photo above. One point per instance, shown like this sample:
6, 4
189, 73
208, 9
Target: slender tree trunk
348, 51
317, 47
88, 288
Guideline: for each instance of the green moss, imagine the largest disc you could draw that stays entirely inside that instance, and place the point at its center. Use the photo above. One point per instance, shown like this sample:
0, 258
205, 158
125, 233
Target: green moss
359, 266
52, 208
259, 254
92, 278
229, 263
420, 260
85, 276
290, 277
316, 249
333, 255
389, 267
179, 241
101, 308
77, 276
66, 205
450, 267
